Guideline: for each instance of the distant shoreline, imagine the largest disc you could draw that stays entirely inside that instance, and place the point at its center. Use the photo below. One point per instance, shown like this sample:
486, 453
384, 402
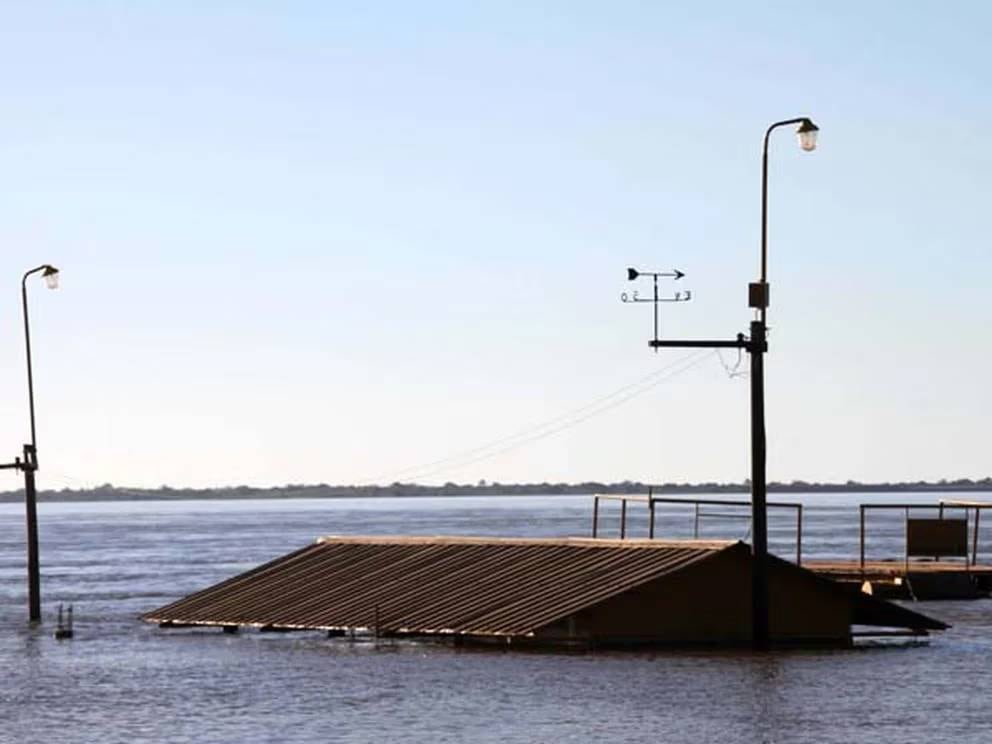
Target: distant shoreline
109, 492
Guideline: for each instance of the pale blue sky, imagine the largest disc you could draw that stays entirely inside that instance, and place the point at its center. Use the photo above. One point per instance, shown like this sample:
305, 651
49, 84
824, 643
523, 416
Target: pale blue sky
332, 242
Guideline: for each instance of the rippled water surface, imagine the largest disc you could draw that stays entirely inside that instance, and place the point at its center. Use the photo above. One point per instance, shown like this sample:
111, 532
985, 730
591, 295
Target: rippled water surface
122, 681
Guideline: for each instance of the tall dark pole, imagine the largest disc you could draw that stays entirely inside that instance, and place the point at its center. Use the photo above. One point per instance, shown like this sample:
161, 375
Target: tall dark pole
759, 509
34, 565
757, 349
30, 465
27, 349
759, 491
756, 346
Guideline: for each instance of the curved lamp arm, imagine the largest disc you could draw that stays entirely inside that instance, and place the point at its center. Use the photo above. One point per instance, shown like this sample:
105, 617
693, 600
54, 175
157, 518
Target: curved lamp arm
807, 137
51, 275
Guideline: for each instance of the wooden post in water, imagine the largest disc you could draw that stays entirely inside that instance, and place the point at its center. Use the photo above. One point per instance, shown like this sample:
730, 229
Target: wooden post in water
861, 509
799, 535
974, 540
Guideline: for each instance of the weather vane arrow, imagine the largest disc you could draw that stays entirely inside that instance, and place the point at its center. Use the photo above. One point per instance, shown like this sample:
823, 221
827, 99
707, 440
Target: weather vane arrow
675, 274
632, 274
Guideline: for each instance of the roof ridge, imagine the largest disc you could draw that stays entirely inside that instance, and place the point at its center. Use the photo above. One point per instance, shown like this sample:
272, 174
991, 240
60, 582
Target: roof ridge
590, 542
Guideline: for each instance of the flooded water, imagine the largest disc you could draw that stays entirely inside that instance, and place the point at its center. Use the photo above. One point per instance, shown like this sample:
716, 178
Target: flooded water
120, 680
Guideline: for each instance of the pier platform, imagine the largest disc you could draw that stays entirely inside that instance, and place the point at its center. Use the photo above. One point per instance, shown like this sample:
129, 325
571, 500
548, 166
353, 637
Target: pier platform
941, 556
922, 580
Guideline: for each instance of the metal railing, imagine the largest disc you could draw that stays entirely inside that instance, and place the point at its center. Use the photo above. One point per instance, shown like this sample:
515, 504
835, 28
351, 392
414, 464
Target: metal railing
650, 500
940, 506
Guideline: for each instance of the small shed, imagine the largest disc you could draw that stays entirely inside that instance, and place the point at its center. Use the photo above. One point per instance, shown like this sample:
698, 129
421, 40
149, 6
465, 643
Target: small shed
573, 591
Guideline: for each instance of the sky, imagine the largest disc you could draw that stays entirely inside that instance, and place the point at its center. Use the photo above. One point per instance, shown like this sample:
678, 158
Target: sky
360, 242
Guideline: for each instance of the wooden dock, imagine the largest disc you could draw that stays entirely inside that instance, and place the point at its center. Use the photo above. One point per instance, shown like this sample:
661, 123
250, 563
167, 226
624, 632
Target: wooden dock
934, 532
898, 579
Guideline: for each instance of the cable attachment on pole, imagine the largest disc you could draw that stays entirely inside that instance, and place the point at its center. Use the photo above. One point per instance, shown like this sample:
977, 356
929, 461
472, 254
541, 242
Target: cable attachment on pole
735, 370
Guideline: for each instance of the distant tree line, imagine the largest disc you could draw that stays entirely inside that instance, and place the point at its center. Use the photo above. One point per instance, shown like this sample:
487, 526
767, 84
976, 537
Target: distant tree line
109, 492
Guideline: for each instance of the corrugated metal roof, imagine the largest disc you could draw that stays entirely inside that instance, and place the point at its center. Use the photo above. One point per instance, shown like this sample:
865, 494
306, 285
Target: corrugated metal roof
464, 585
434, 585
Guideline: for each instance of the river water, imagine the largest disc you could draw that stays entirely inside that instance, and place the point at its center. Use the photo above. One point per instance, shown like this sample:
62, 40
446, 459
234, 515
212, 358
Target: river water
120, 680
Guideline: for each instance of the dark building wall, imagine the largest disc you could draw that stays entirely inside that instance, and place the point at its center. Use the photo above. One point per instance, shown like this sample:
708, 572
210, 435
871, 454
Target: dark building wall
805, 607
710, 602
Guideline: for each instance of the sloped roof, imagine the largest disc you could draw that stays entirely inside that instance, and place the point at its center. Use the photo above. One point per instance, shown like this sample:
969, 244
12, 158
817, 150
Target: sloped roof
464, 585
475, 586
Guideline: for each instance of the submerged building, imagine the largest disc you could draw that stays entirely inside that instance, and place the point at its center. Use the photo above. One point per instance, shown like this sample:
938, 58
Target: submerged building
575, 591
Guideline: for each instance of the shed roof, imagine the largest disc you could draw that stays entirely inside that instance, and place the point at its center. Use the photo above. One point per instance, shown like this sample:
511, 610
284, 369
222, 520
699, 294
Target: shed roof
476, 586
479, 586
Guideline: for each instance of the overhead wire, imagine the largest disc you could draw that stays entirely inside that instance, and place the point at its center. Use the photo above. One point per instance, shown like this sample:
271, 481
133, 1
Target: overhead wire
559, 423
534, 432
528, 430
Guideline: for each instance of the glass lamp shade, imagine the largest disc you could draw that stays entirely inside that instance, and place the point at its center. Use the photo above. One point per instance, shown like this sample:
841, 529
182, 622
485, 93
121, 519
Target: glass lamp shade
51, 276
807, 135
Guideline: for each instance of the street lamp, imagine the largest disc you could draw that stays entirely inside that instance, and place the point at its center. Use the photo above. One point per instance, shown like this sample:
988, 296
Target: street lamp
756, 345
30, 462
758, 299
51, 277
807, 133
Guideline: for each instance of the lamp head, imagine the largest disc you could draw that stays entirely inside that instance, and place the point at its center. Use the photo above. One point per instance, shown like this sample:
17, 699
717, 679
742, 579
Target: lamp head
632, 274
51, 277
807, 133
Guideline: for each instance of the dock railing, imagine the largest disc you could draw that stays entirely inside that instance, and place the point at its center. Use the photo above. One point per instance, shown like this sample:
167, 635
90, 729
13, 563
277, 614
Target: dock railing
651, 501
941, 507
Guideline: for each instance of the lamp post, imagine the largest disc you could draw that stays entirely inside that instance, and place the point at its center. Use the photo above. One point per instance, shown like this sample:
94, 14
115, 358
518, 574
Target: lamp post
30, 462
758, 296
756, 345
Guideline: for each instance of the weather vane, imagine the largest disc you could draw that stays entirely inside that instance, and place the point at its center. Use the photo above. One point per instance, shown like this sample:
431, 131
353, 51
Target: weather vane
675, 274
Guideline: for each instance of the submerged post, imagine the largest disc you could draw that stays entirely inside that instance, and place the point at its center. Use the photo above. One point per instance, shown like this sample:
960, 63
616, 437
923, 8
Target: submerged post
799, 535
29, 465
759, 495
974, 542
861, 516
64, 630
